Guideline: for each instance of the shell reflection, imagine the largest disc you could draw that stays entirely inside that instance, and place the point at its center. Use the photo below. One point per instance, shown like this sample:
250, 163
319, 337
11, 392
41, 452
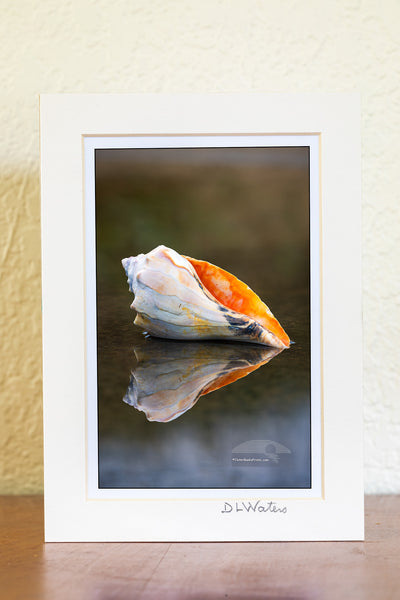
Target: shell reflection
170, 377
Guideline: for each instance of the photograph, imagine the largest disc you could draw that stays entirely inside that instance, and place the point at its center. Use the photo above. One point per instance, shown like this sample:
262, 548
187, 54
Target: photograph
203, 317
207, 394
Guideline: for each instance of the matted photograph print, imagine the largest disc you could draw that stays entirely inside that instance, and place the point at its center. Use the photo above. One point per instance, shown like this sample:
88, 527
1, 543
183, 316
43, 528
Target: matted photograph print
203, 318
196, 386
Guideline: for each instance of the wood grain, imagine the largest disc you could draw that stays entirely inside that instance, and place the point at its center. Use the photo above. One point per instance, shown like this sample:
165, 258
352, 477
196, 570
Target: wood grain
31, 570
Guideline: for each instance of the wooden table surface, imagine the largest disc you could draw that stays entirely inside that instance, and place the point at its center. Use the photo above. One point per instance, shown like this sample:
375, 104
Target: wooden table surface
29, 569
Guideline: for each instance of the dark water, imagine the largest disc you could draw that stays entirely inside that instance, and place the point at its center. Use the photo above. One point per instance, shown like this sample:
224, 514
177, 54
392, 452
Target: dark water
252, 219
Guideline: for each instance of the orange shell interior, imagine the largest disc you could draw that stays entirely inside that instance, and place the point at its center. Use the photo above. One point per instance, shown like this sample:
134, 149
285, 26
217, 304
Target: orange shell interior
236, 295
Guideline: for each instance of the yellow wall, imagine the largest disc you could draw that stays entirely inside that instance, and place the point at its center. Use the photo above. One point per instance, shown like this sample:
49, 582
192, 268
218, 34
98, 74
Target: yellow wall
196, 46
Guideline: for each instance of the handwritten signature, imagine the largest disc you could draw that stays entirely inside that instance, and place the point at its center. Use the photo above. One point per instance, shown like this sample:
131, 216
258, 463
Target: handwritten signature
259, 506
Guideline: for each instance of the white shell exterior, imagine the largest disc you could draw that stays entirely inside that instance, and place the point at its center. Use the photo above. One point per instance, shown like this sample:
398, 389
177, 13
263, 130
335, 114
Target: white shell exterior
171, 302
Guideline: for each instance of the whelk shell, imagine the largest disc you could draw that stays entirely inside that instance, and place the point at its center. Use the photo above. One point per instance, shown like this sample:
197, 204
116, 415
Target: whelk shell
179, 297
